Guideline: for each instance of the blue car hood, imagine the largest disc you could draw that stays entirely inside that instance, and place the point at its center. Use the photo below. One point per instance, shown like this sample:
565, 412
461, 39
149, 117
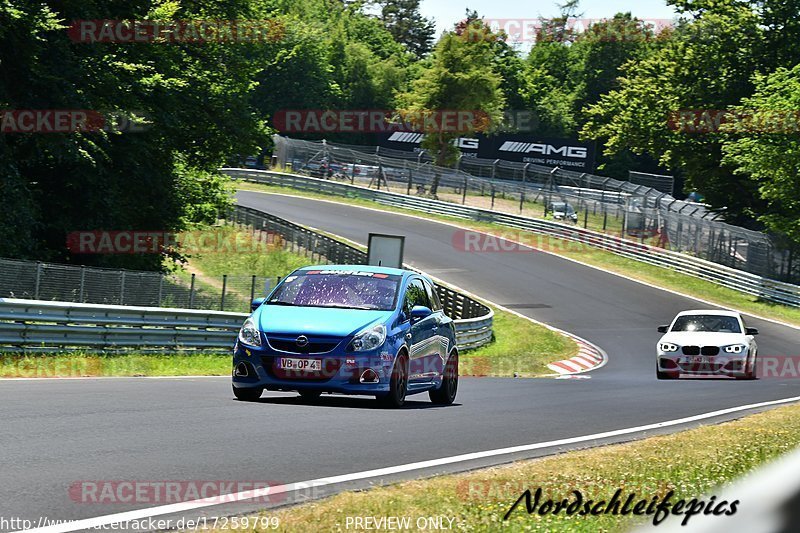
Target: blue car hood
315, 320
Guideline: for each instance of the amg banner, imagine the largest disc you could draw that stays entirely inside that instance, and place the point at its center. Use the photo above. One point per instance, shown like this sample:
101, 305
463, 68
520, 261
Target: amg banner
523, 148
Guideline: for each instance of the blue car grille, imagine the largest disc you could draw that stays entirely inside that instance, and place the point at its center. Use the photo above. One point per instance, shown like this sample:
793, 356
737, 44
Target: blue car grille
291, 346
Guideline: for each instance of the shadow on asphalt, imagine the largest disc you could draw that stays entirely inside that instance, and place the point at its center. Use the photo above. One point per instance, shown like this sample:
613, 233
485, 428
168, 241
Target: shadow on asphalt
349, 402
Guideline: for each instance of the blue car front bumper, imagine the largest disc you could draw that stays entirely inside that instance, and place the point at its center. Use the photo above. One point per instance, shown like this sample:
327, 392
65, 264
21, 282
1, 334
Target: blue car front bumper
340, 371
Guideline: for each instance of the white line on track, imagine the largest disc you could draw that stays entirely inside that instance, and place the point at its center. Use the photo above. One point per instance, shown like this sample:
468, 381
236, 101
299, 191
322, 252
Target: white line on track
100, 521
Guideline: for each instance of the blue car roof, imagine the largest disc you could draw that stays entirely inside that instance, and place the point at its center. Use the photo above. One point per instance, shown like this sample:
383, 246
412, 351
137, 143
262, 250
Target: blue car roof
362, 268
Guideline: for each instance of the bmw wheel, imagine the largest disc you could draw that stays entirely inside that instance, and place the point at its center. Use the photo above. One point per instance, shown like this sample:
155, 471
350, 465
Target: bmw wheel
751, 371
666, 375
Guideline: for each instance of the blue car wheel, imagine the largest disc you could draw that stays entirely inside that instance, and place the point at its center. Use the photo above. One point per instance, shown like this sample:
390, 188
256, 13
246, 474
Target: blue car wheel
446, 394
247, 394
310, 395
398, 384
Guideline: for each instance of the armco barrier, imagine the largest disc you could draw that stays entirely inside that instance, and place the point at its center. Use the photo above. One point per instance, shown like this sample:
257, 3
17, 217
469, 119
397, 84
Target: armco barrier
763, 288
35, 325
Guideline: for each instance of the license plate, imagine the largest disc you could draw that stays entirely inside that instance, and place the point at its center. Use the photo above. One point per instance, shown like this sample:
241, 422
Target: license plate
290, 363
696, 360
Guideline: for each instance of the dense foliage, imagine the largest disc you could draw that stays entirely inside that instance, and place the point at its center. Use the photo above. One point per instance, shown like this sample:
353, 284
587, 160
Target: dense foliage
205, 104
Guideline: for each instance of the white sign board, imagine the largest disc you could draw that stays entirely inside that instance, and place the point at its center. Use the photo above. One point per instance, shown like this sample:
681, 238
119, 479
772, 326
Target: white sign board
385, 250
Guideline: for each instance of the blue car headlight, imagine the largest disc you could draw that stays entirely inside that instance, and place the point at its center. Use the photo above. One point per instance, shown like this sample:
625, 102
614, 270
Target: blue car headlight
368, 339
249, 334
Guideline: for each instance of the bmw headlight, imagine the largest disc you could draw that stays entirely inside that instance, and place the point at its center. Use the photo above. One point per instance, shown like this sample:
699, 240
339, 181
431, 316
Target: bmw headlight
735, 348
368, 339
249, 333
667, 347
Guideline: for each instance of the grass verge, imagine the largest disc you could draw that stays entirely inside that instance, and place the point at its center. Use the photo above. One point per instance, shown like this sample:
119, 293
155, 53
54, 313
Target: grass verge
693, 464
656, 276
245, 254
520, 347
83, 364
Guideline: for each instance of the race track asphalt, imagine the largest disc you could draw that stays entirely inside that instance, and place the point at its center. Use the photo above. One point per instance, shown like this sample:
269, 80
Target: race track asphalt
56, 433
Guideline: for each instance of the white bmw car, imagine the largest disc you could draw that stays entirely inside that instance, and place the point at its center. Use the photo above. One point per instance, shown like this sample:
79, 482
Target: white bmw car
707, 342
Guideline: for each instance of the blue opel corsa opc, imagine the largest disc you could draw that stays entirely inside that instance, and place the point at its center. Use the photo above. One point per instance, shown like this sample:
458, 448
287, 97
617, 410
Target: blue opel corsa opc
349, 329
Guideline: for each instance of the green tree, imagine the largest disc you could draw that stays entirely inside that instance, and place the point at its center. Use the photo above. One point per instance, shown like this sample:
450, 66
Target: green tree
332, 56
549, 92
460, 76
597, 55
706, 64
770, 158
195, 100
408, 27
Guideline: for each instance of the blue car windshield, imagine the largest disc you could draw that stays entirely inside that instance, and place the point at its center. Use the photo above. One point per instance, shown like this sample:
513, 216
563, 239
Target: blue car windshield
345, 289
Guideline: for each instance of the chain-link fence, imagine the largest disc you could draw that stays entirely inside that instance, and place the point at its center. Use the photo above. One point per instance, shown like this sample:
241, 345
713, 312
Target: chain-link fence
68, 283
633, 211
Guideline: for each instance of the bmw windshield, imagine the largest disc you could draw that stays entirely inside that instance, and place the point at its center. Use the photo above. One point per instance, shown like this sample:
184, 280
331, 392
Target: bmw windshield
338, 289
707, 323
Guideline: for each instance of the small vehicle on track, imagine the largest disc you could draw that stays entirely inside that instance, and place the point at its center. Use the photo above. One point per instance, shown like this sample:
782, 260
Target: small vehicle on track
349, 329
707, 342
563, 211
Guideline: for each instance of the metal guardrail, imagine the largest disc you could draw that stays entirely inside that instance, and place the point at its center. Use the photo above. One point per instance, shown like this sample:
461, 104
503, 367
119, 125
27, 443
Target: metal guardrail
763, 288
315, 244
35, 325
629, 209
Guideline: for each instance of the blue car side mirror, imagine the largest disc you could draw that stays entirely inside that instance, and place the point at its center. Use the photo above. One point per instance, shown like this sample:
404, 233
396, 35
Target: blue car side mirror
255, 304
418, 312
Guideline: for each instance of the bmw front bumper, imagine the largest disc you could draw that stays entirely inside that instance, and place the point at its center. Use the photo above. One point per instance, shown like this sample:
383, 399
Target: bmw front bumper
733, 365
